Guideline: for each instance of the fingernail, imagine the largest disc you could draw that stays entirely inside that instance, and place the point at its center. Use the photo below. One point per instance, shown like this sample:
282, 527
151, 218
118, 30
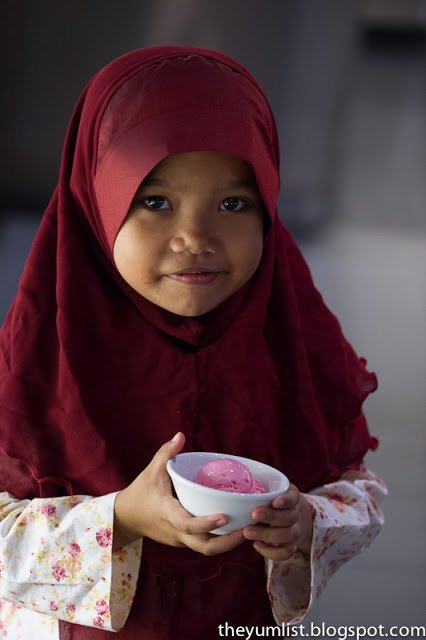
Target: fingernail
220, 522
175, 437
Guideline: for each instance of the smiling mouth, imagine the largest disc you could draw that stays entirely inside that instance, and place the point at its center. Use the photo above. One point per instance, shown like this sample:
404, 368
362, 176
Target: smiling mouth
196, 277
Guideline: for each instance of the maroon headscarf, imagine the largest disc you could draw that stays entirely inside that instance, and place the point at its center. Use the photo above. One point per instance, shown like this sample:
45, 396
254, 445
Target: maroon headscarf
94, 378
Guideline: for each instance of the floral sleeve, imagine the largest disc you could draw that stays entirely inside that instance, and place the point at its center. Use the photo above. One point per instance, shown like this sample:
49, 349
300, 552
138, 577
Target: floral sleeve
56, 558
347, 518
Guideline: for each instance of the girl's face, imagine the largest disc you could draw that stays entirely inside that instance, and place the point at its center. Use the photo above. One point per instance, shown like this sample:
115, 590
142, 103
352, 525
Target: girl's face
194, 232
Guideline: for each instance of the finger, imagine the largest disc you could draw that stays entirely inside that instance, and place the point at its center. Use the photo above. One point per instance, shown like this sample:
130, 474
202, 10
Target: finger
287, 500
167, 451
211, 545
188, 524
194, 531
277, 554
177, 443
276, 536
276, 517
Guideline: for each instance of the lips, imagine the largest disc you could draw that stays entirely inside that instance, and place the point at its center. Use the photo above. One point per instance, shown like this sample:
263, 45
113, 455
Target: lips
197, 269
197, 274
195, 277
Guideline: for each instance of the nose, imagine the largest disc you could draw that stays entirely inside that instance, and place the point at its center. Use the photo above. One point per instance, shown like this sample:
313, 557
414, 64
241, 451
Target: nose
193, 233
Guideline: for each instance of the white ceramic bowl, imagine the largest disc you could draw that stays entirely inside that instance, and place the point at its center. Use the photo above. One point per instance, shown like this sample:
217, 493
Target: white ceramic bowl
204, 501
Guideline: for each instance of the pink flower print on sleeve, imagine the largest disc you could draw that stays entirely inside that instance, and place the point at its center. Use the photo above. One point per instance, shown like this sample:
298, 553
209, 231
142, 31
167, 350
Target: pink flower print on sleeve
73, 501
53, 606
102, 607
48, 510
59, 572
74, 549
126, 580
104, 537
98, 622
70, 611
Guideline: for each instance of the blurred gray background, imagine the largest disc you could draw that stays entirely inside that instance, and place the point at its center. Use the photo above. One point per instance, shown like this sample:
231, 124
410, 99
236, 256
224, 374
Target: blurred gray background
346, 80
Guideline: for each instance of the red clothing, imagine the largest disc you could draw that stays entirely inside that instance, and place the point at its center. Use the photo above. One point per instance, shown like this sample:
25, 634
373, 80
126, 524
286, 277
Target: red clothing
94, 378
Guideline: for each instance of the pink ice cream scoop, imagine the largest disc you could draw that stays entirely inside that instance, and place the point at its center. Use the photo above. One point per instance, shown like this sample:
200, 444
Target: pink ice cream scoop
227, 474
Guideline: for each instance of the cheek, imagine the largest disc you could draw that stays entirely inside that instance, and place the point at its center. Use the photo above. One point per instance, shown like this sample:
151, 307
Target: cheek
252, 246
256, 256
134, 256
246, 256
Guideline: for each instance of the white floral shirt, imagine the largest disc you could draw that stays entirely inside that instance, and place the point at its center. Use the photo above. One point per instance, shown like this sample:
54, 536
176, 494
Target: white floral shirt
347, 518
56, 559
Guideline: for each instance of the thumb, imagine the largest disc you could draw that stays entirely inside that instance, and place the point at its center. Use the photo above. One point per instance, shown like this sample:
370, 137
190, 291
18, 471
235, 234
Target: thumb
169, 450
176, 444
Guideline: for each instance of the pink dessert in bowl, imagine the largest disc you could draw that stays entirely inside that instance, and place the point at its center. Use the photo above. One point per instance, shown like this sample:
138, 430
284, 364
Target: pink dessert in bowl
201, 500
227, 474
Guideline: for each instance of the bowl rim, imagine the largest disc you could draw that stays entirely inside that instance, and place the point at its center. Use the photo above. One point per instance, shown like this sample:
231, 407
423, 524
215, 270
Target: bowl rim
245, 496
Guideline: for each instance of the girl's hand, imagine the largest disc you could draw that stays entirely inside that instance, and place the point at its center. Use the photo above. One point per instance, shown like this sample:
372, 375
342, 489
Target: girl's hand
147, 507
283, 528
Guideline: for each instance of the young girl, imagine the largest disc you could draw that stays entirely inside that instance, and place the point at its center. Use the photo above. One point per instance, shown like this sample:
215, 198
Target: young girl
165, 307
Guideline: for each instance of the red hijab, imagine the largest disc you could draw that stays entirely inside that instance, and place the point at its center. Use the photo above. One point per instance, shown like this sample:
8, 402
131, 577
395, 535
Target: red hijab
94, 378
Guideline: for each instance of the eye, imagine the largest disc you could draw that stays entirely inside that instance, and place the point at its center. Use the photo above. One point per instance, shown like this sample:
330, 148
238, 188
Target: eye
156, 202
233, 203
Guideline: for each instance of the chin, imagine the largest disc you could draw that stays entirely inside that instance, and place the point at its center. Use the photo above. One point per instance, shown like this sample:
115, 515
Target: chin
192, 310
191, 313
